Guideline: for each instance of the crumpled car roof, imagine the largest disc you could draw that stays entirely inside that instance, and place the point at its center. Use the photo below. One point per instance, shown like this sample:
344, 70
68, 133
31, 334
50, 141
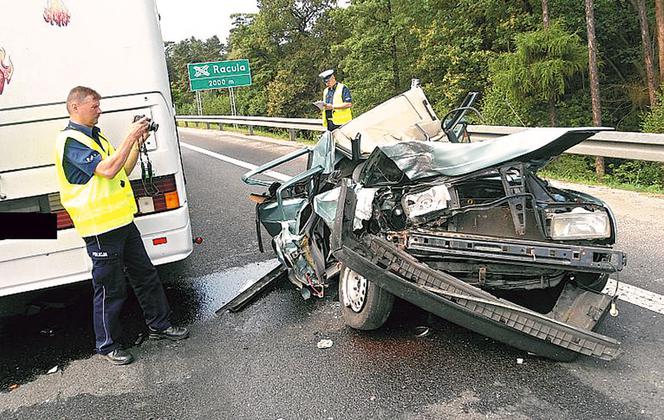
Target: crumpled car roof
418, 159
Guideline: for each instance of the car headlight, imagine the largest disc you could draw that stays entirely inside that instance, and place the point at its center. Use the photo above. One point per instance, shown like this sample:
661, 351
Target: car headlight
579, 224
433, 199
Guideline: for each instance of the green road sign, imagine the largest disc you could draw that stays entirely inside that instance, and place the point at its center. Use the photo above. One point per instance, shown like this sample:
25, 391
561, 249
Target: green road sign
219, 75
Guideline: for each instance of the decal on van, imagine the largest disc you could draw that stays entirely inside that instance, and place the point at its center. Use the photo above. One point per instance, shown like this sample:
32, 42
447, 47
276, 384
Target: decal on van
6, 69
56, 13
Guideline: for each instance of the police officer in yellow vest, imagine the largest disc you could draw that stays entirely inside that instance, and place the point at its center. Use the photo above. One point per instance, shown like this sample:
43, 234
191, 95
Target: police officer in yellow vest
338, 103
95, 191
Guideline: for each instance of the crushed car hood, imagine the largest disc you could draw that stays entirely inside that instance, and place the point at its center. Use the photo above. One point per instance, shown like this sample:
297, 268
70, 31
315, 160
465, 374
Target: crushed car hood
419, 160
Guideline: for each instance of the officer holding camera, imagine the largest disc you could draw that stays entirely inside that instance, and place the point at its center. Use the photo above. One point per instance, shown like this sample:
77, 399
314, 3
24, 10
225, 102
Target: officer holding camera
95, 191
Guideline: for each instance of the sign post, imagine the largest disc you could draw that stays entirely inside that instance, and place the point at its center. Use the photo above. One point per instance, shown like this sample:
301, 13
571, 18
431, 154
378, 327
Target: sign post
199, 103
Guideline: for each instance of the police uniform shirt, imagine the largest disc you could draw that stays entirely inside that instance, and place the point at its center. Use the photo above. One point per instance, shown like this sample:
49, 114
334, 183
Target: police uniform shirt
345, 95
80, 161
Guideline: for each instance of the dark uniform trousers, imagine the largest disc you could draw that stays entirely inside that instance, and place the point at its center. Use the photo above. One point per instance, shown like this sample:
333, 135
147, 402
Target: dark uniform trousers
114, 254
331, 126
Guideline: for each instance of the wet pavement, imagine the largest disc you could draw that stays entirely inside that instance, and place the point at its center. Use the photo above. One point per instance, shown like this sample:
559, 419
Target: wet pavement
54, 327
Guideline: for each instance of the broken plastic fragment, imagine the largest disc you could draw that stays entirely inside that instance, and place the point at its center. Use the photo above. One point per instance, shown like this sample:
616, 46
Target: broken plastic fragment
363, 205
519, 361
324, 344
52, 370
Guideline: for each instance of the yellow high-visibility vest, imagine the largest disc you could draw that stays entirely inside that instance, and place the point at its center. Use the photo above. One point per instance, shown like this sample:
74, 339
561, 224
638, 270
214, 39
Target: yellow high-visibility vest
339, 116
101, 204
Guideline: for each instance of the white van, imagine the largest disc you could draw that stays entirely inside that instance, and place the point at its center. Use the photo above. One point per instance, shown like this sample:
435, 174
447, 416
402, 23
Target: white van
114, 47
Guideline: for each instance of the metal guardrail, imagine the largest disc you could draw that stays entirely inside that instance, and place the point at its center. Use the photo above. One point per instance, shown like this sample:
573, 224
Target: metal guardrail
614, 144
290, 124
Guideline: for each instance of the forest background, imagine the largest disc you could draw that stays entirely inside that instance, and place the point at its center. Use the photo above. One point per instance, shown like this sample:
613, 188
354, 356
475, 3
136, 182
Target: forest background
535, 63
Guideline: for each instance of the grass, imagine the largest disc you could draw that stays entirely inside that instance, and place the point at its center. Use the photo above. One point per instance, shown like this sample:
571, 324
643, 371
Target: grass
606, 182
559, 173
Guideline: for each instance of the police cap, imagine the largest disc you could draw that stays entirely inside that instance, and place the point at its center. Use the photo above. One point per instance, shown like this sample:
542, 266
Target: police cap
325, 75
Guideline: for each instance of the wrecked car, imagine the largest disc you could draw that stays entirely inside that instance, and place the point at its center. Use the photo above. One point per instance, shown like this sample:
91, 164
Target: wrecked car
400, 203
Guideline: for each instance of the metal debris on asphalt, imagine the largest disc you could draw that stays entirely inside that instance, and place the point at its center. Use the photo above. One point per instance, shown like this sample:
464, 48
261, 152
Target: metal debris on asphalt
324, 344
47, 332
422, 331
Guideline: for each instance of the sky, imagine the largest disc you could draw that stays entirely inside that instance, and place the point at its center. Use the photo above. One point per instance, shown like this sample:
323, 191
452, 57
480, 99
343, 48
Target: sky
202, 19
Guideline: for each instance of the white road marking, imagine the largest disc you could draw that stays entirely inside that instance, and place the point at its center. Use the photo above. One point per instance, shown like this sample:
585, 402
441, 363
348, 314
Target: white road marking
628, 293
636, 296
236, 162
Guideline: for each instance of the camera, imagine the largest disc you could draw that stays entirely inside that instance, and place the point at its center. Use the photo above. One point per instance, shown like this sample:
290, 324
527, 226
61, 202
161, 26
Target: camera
152, 126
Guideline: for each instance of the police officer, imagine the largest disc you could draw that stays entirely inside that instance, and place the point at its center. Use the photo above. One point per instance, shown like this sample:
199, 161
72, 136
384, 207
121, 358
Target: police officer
95, 191
337, 100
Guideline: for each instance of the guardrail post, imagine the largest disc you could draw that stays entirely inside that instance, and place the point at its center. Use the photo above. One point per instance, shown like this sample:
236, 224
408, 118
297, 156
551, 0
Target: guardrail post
292, 134
251, 130
186, 124
221, 127
207, 125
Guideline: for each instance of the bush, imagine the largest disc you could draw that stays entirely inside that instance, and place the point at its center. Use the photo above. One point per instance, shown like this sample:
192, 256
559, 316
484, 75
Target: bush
653, 121
637, 173
571, 167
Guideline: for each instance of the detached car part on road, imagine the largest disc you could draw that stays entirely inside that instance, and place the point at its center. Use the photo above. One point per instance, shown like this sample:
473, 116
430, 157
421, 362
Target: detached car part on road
396, 203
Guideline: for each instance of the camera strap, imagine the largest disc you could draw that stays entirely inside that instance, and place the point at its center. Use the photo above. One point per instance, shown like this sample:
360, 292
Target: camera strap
147, 175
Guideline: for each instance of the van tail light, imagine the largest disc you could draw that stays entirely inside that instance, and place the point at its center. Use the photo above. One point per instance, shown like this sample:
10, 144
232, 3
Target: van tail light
172, 200
63, 220
160, 195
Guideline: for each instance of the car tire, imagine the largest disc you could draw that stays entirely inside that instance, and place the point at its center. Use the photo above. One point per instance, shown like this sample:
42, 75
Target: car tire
364, 304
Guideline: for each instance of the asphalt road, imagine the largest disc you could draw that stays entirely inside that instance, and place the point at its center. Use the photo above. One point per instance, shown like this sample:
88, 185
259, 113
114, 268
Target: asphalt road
263, 363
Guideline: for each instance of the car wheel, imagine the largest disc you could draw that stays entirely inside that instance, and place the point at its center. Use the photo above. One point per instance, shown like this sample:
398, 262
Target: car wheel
364, 305
591, 281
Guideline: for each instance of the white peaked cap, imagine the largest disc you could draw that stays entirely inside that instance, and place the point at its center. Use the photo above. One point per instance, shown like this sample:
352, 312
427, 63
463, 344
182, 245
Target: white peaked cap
326, 74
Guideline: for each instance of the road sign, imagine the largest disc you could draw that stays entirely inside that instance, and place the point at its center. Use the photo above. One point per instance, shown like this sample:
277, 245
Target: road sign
219, 74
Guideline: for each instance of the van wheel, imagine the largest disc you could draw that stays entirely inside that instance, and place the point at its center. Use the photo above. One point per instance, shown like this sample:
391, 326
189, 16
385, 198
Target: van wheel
364, 305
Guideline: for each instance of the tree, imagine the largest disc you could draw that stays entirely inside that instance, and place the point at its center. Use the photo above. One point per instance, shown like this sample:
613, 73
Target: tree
594, 78
640, 6
659, 24
455, 41
541, 67
179, 54
287, 43
545, 13
378, 55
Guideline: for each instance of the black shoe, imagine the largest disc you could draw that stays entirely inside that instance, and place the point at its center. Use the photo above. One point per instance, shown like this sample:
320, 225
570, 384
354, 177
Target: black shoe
119, 357
171, 333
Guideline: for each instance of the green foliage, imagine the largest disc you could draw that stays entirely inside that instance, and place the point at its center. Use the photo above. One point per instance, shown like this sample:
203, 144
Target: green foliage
571, 167
539, 71
376, 57
653, 121
286, 44
637, 172
178, 55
